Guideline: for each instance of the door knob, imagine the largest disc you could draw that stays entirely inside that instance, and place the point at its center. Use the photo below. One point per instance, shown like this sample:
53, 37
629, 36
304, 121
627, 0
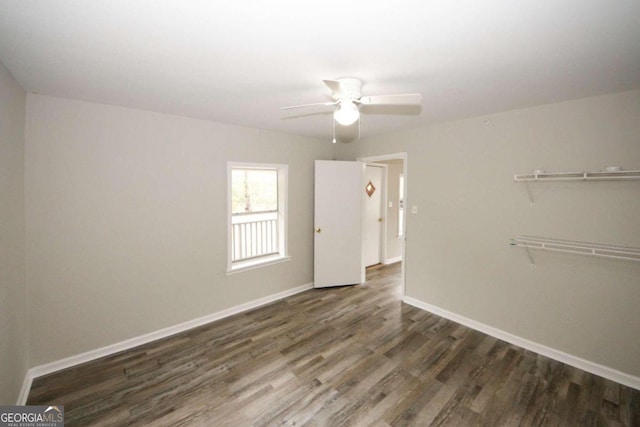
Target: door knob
318, 230
379, 219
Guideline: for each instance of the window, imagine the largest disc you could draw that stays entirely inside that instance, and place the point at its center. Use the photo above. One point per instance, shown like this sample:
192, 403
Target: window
257, 214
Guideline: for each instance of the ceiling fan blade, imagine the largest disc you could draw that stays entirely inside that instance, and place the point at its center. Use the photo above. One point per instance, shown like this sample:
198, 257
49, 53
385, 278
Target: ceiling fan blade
309, 105
334, 85
403, 99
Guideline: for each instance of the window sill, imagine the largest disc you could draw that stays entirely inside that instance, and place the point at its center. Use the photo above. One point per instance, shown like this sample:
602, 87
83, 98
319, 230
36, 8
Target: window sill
253, 264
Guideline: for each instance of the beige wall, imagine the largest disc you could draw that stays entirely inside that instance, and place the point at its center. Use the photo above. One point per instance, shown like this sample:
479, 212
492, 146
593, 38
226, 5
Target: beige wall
13, 302
126, 221
460, 175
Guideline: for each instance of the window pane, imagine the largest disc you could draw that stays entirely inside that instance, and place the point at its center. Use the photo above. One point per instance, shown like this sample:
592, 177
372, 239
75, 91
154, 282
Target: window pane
254, 190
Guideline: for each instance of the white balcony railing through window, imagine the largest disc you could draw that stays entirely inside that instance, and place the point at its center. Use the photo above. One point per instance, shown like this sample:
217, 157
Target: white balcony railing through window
254, 235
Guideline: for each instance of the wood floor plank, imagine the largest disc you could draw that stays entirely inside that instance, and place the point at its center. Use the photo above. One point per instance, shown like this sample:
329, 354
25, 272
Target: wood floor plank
345, 356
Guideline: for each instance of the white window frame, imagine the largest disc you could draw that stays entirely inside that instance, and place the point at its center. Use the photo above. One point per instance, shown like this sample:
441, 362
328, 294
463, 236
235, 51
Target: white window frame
283, 254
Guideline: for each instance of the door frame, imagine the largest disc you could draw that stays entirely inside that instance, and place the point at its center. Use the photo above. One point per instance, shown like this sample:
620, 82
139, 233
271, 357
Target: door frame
404, 157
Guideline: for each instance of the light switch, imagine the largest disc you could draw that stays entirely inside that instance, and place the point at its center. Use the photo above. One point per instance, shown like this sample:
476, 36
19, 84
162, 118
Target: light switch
414, 209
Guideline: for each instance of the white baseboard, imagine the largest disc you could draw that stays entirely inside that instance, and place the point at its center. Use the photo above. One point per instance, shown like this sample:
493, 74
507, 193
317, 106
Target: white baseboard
392, 260
585, 365
26, 388
48, 368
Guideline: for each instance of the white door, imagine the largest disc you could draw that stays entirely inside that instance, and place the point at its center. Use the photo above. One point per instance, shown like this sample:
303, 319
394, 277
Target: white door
372, 215
338, 223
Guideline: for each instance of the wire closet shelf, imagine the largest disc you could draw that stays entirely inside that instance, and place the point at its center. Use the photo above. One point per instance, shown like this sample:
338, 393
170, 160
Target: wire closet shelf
541, 176
577, 247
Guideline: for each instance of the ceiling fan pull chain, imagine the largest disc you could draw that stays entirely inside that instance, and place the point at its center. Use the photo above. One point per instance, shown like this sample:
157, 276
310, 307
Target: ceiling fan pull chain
334, 131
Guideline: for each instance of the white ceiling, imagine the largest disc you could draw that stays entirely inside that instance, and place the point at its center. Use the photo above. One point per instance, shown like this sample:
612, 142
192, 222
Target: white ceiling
239, 61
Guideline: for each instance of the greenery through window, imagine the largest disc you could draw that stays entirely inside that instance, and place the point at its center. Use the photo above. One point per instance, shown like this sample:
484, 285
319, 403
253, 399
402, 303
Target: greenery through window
254, 190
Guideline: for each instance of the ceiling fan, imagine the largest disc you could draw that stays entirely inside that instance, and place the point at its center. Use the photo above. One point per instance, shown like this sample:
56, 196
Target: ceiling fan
347, 95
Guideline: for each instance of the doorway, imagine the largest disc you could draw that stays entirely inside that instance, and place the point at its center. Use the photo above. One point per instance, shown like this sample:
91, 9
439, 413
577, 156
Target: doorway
392, 235
373, 214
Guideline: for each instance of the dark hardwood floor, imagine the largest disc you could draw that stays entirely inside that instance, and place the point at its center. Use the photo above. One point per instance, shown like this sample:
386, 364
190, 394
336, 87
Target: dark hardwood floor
340, 356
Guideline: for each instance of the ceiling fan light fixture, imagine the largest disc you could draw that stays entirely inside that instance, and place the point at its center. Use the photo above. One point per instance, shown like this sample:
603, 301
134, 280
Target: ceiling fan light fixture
347, 113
